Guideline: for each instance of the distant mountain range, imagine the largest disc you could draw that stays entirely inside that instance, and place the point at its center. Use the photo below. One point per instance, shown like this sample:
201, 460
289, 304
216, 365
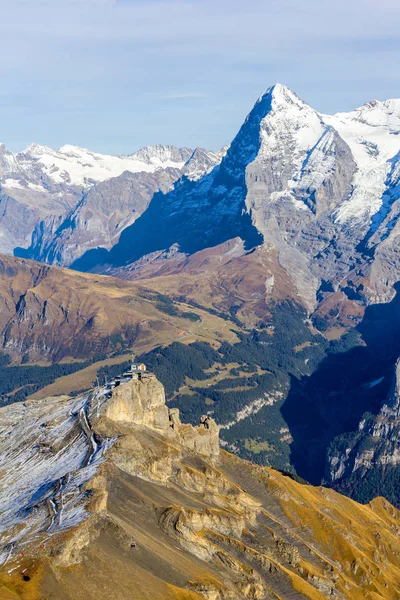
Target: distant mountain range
291, 234
320, 191
44, 192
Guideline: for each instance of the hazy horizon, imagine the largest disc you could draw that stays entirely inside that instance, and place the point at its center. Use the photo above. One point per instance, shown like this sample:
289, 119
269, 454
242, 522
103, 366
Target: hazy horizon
115, 75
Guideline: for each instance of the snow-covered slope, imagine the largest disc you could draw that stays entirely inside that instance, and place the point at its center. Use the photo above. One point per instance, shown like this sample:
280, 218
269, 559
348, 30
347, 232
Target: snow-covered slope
292, 121
72, 165
48, 452
373, 135
41, 187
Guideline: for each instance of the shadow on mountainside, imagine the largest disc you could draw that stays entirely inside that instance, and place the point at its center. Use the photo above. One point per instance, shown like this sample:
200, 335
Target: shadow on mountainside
195, 214
333, 399
183, 216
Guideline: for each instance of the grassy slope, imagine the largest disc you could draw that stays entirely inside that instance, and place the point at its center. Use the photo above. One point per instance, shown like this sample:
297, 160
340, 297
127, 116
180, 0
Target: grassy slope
304, 542
49, 314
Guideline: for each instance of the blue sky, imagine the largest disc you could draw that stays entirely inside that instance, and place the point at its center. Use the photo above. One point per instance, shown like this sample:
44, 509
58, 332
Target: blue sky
114, 75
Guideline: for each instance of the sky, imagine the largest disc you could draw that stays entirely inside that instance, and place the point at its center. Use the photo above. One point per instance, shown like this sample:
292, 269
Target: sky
115, 75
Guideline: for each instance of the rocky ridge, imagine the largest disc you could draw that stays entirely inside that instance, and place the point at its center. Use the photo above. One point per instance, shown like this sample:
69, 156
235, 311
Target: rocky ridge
116, 496
318, 191
48, 313
46, 193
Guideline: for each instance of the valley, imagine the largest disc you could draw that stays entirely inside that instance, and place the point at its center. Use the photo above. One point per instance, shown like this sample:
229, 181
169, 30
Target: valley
199, 300
259, 282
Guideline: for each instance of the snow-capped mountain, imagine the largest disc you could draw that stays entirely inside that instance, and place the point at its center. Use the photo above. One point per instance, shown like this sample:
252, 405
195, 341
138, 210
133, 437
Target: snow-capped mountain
39, 188
76, 166
320, 191
372, 133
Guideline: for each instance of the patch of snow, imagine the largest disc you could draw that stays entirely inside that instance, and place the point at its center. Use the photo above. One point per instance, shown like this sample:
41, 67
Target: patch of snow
372, 133
46, 456
13, 184
269, 285
375, 382
35, 187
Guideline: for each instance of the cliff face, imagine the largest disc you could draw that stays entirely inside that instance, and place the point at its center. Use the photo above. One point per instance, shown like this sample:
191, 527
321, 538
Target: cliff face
143, 403
372, 453
109, 495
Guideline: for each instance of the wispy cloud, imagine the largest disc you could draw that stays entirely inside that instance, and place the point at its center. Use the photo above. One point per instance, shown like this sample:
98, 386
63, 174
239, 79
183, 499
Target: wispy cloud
182, 71
183, 96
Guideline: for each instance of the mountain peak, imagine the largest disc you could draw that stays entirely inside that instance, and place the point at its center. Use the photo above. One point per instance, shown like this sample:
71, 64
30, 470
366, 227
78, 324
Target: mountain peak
77, 151
4, 149
280, 89
37, 149
377, 113
389, 105
160, 154
281, 95
381, 114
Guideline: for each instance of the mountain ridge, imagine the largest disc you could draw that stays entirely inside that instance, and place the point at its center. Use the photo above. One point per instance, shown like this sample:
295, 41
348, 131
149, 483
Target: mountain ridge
340, 168
114, 495
50, 313
301, 188
291, 235
44, 190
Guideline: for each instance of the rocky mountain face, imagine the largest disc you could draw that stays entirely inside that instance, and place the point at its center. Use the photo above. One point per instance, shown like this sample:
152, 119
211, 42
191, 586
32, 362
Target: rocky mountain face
109, 494
319, 191
98, 218
366, 463
108, 207
47, 196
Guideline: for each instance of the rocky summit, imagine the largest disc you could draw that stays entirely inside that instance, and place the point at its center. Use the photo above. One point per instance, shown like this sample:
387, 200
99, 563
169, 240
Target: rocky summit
108, 495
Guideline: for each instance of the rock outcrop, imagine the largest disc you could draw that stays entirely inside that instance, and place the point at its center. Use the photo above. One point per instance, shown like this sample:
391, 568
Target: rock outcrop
142, 402
139, 403
110, 495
